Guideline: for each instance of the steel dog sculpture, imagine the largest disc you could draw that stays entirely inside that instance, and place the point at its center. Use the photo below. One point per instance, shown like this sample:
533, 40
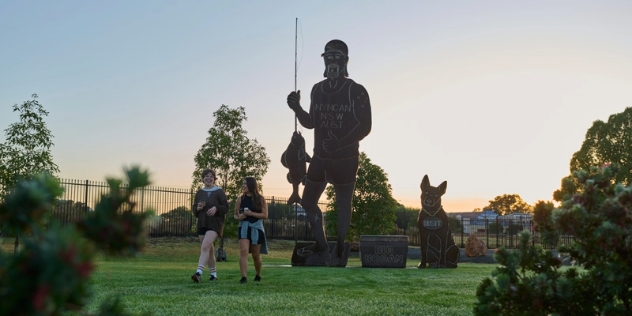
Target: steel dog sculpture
437, 246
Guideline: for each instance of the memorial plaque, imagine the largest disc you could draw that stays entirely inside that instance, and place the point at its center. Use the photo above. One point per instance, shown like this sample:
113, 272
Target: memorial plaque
383, 251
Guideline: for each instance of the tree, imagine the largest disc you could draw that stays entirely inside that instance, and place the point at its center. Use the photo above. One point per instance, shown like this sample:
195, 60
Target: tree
27, 147
508, 204
232, 155
406, 217
69, 211
605, 143
455, 225
177, 221
26, 151
230, 152
374, 208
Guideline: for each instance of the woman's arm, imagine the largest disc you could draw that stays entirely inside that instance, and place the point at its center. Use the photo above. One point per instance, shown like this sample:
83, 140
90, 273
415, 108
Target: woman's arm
194, 208
238, 216
222, 207
264, 210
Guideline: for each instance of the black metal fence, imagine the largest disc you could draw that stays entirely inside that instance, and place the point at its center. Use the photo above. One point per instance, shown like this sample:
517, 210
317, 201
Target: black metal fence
173, 209
493, 232
174, 217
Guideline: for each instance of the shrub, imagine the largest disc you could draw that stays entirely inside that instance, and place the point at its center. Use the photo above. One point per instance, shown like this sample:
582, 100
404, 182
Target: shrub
598, 213
49, 274
495, 228
514, 229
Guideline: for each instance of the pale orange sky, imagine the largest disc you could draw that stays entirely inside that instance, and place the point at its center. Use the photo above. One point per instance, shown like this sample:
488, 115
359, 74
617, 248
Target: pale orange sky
492, 96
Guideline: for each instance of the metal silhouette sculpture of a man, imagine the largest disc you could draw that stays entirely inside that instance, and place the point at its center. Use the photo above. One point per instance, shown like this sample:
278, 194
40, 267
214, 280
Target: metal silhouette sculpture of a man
340, 114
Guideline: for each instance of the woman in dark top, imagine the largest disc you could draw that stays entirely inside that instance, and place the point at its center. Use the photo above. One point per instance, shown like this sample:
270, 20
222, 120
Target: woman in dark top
210, 209
251, 209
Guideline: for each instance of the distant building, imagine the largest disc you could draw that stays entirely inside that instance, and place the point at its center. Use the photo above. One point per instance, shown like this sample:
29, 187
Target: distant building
477, 222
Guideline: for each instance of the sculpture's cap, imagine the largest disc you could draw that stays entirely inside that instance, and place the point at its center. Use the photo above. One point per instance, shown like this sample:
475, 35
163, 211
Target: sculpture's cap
336, 46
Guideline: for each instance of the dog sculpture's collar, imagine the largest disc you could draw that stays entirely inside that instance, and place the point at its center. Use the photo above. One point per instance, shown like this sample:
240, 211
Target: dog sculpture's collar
432, 214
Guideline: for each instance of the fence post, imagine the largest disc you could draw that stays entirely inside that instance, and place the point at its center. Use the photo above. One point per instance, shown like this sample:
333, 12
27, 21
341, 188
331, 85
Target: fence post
498, 227
462, 231
487, 230
85, 200
142, 198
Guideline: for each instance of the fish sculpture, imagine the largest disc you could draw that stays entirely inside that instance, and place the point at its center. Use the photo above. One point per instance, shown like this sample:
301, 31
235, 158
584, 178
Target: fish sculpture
295, 158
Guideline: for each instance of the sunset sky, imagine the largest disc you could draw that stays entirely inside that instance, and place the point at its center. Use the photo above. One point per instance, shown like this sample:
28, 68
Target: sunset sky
492, 96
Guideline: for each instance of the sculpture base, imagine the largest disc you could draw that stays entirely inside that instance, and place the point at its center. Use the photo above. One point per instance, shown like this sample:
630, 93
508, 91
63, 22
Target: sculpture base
383, 251
305, 255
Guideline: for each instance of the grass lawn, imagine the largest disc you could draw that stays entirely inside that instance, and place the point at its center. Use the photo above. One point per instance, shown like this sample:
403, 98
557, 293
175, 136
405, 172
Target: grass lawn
158, 281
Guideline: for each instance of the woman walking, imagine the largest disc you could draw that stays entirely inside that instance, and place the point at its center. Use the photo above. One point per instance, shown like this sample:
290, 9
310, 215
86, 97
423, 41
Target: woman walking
210, 207
251, 209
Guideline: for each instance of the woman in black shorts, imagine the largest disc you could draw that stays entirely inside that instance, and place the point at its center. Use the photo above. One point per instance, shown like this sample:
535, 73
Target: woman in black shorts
251, 209
210, 209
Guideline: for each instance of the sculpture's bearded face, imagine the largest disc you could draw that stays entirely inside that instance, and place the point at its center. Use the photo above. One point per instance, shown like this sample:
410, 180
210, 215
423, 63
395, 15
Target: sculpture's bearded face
335, 64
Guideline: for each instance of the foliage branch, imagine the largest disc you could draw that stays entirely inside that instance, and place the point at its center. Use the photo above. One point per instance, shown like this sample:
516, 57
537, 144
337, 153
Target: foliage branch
50, 273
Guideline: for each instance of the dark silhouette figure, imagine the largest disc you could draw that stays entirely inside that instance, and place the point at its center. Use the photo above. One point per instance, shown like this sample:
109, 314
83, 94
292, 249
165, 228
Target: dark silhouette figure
340, 114
437, 246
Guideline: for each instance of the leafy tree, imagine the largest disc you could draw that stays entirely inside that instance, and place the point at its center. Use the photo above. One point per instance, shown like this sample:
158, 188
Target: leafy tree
597, 211
232, 155
69, 210
374, 207
495, 228
177, 221
608, 142
543, 221
455, 225
27, 147
508, 204
50, 274
230, 152
514, 229
406, 217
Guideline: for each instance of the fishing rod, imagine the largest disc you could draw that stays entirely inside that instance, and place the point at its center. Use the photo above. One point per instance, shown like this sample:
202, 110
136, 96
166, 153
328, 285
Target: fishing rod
295, 71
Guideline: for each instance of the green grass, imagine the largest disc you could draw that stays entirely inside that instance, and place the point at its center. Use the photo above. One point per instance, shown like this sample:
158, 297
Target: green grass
158, 281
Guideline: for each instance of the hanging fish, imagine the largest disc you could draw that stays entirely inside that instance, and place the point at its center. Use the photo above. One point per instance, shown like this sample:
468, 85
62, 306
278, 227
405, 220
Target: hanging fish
294, 158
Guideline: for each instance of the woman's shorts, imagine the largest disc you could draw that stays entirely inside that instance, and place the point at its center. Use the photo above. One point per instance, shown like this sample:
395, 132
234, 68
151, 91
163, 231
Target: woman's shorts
202, 231
249, 237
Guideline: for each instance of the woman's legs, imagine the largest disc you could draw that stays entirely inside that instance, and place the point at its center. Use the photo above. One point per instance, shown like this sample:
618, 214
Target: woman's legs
211, 254
206, 250
244, 245
256, 258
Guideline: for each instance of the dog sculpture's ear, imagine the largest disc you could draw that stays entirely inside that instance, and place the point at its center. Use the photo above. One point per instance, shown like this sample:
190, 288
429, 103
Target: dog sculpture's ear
424, 183
442, 187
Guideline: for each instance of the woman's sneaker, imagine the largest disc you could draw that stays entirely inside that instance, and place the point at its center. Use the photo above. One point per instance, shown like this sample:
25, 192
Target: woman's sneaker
196, 277
257, 278
213, 278
243, 280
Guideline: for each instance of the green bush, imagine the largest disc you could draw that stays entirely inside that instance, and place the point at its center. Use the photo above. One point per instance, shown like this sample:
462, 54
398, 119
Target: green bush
598, 213
49, 274
514, 229
455, 225
495, 228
